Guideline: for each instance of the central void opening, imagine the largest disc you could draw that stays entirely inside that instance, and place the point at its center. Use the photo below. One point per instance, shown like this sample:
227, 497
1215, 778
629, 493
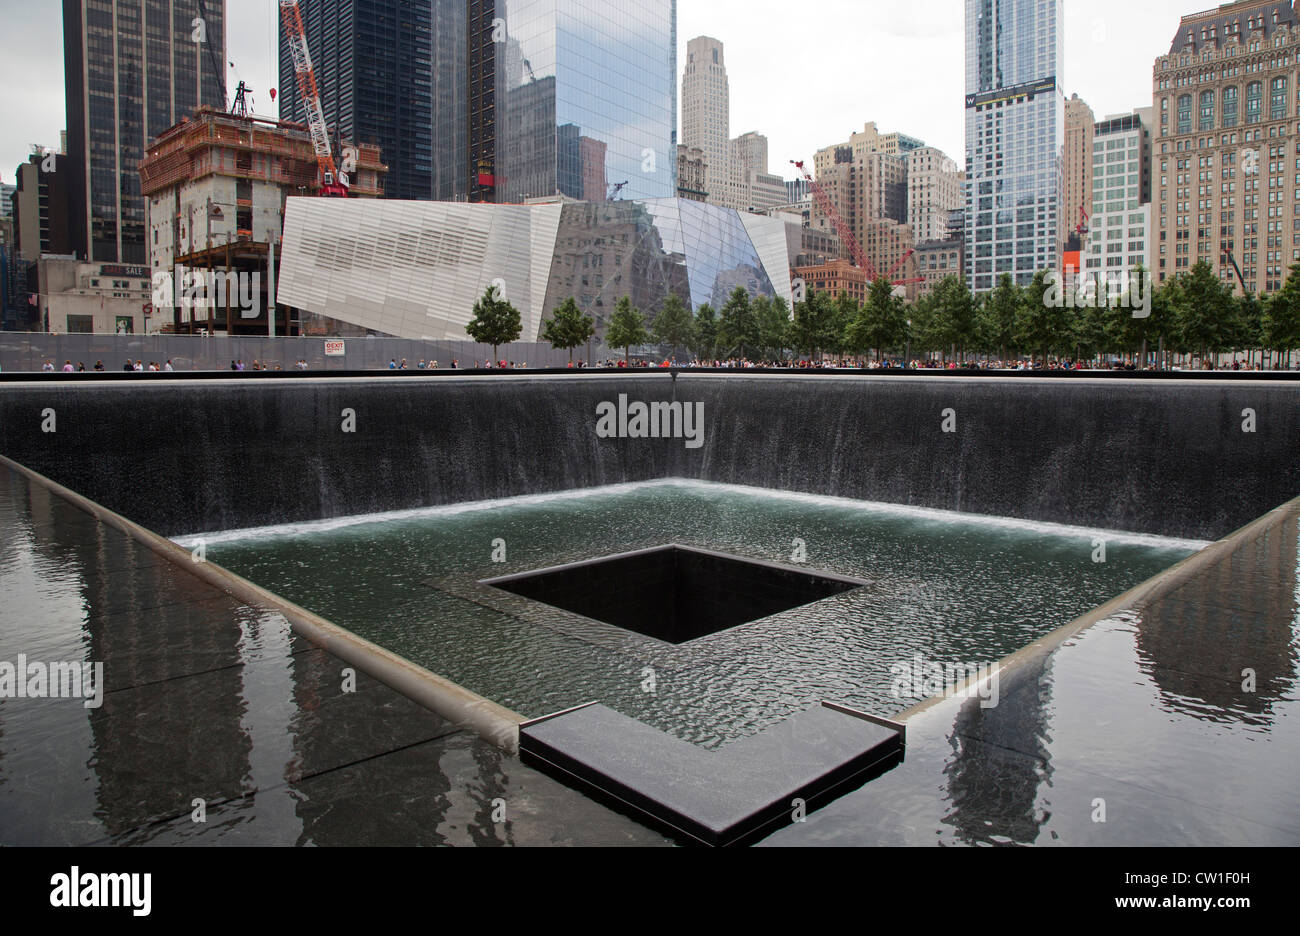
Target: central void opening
675, 593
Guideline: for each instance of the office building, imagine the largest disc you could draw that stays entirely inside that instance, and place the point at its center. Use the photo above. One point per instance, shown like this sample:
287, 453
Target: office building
132, 68
1120, 236
706, 113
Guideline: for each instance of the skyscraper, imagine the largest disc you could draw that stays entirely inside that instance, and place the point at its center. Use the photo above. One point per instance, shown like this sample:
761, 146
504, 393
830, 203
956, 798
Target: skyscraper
1080, 127
132, 68
586, 98
1015, 115
500, 100
374, 67
706, 113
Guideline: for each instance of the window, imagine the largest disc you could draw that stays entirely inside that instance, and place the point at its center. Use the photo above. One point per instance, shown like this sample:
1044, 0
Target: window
1185, 113
1254, 102
1277, 100
1207, 110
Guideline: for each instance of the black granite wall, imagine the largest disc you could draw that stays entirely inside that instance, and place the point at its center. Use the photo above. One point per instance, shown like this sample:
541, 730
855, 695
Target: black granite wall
192, 456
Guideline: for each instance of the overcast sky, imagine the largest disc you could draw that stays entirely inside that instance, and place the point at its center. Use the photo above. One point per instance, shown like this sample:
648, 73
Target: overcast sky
897, 63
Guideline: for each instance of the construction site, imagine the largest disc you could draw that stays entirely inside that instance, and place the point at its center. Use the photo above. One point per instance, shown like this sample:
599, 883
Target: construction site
216, 185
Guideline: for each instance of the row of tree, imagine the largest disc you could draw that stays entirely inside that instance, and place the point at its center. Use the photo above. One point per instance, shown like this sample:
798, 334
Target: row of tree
1196, 313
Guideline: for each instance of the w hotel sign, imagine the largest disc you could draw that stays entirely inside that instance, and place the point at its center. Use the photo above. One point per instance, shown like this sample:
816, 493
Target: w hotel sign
1029, 90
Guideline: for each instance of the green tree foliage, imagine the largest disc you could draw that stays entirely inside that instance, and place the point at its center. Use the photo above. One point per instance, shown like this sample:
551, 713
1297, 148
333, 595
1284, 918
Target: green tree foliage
706, 333
738, 327
773, 316
569, 328
674, 325
1280, 321
1205, 318
996, 318
953, 323
814, 331
626, 328
1043, 325
495, 322
881, 324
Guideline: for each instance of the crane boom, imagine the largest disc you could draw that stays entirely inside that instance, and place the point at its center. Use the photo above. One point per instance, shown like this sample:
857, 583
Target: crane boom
331, 183
846, 236
841, 228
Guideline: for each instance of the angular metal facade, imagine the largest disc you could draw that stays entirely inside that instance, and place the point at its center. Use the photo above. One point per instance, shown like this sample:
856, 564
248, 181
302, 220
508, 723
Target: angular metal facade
415, 269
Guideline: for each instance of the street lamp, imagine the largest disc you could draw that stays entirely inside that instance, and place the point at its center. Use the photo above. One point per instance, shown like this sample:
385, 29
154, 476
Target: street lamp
907, 354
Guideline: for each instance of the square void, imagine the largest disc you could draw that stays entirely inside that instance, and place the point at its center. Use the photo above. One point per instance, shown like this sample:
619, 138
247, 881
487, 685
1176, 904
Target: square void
675, 593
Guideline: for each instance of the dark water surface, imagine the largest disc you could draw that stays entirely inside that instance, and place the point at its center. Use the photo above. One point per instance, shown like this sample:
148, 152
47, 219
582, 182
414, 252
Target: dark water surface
953, 589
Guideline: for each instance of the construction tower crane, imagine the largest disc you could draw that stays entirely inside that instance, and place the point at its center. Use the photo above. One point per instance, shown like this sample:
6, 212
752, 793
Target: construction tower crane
333, 184
846, 236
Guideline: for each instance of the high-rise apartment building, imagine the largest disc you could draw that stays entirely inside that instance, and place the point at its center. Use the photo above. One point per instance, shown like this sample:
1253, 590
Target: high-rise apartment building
935, 189
706, 113
1120, 236
1226, 145
132, 68
866, 184
1077, 163
1015, 127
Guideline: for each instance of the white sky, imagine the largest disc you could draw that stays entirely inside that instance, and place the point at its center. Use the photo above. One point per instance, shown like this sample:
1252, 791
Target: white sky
805, 74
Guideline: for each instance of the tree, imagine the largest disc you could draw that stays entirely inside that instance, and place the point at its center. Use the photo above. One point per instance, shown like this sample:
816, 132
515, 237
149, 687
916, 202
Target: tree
568, 328
846, 310
738, 328
996, 319
814, 327
773, 316
706, 332
1204, 319
496, 321
880, 324
673, 325
953, 322
626, 328
1281, 318
1042, 326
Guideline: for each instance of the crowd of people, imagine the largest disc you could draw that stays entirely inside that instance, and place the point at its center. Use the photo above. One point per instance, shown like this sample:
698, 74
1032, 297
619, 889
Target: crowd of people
888, 364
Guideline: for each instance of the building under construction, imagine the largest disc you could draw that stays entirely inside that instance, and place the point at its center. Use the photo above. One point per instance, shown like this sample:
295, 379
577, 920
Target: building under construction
216, 186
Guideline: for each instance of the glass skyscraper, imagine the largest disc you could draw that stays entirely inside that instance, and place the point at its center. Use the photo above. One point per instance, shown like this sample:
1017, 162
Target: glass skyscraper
500, 100
587, 94
132, 68
1015, 133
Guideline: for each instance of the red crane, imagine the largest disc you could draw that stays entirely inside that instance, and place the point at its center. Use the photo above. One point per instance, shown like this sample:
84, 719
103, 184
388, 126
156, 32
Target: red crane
846, 236
332, 183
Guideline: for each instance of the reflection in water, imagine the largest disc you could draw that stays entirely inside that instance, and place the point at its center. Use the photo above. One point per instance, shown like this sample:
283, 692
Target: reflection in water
1000, 758
1197, 652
